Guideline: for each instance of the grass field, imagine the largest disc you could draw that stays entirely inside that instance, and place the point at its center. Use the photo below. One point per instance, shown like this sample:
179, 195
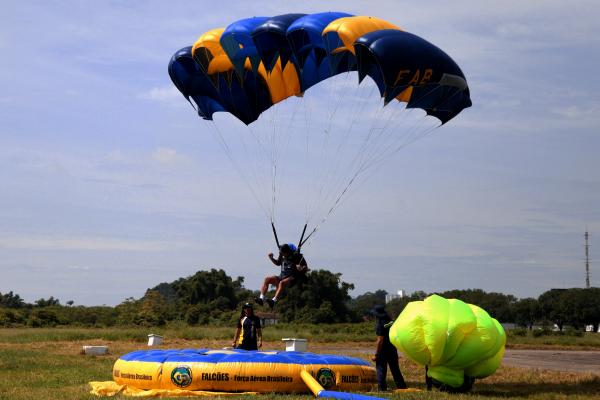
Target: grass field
46, 363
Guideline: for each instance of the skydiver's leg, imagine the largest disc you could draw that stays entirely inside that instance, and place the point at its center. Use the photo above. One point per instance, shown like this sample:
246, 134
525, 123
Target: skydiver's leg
381, 368
395, 370
282, 285
269, 280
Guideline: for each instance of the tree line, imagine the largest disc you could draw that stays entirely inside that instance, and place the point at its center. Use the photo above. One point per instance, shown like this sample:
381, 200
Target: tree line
213, 297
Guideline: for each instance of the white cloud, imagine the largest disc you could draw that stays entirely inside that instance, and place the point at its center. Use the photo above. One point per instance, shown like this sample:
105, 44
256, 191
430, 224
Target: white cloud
163, 94
579, 112
68, 243
165, 155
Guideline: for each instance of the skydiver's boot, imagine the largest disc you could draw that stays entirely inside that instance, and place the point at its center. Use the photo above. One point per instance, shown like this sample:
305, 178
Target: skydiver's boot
271, 303
258, 301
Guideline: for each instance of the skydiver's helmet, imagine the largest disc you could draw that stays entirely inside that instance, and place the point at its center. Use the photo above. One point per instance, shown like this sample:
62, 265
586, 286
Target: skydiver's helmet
288, 248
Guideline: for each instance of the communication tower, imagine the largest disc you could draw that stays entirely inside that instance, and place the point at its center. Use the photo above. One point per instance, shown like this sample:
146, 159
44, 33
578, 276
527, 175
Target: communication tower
587, 261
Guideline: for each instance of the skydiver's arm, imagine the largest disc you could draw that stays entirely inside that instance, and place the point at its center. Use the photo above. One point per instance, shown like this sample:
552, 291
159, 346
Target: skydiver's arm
259, 334
378, 348
237, 335
302, 266
274, 260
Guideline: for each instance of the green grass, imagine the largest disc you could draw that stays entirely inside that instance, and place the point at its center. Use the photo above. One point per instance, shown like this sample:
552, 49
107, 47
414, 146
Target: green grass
323, 333
588, 340
45, 364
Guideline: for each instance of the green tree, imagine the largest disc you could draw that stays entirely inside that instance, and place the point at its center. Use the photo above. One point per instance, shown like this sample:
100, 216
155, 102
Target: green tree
527, 312
307, 300
204, 287
553, 307
11, 317
10, 300
127, 310
51, 301
364, 303
581, 307
41, 317
153, 310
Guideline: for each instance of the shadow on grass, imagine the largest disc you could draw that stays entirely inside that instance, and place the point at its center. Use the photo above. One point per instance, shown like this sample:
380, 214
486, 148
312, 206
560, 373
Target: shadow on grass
589, 386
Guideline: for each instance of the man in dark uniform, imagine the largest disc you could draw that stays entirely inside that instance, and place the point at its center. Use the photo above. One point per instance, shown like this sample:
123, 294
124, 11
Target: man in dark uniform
385, 353
293, 268
248, 335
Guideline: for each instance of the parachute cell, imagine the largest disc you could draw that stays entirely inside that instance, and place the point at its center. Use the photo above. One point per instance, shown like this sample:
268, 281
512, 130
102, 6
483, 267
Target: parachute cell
454, 339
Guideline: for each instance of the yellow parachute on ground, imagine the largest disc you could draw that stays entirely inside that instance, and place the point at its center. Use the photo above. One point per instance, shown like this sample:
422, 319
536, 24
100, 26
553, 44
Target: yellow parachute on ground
458, 342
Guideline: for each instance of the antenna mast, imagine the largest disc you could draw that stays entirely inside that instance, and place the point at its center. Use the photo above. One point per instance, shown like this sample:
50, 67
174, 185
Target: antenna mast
587, 261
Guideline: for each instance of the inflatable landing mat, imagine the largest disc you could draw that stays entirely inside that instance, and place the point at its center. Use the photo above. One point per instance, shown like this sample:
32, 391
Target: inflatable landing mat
241, 371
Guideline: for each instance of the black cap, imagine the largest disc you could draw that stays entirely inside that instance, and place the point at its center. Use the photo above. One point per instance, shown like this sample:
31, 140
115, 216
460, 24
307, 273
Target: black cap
247, 305
379, 311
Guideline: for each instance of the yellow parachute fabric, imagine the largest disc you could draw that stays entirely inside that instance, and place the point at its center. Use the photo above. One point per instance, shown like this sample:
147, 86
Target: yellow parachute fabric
454, 339
351, 28
208, 52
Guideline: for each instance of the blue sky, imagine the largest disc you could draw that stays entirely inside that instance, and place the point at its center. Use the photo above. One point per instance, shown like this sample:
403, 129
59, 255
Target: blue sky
111, 184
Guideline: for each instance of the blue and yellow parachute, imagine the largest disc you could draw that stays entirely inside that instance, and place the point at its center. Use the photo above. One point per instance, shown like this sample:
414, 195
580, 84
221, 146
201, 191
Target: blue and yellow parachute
257, 62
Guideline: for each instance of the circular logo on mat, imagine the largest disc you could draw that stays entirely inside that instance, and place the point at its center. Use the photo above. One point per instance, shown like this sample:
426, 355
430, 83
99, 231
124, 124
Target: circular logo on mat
326, 377
181, 376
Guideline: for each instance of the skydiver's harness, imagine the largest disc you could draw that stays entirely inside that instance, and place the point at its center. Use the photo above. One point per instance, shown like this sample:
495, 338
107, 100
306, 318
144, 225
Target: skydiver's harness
297, 274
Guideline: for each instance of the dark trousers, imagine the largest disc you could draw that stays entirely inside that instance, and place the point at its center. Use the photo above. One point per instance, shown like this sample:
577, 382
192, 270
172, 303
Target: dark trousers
391, 358
248, 345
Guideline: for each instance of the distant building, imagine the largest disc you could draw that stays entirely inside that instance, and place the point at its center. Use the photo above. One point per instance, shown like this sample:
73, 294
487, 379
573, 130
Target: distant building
267, 318
398, 295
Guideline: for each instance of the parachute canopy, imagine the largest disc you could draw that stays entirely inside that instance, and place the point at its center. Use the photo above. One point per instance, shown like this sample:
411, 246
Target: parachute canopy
328, 132
454, 339
254, 63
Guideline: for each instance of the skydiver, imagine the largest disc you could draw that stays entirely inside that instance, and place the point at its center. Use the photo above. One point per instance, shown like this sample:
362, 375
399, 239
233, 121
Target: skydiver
293, 268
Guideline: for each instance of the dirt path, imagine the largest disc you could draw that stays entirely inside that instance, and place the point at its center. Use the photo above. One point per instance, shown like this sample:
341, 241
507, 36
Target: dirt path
572, 360
556, 360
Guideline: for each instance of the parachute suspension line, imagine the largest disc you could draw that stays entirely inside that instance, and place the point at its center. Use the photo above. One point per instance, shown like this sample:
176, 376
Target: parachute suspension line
388, 145
335, 188
331, 210
342, 186
330, 178
379, 144
278, 133
254, 153
413, 134
307, 161
378, 141
227, 150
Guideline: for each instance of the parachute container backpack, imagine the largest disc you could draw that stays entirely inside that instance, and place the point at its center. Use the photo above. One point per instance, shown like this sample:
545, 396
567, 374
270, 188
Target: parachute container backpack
307, 106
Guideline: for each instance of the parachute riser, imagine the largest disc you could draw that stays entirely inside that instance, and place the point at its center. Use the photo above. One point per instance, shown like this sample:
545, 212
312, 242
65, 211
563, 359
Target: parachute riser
275, 234
300, 242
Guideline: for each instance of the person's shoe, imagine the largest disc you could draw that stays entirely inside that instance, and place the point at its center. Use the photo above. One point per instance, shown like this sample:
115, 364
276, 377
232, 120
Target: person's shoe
271, 303
258, 301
